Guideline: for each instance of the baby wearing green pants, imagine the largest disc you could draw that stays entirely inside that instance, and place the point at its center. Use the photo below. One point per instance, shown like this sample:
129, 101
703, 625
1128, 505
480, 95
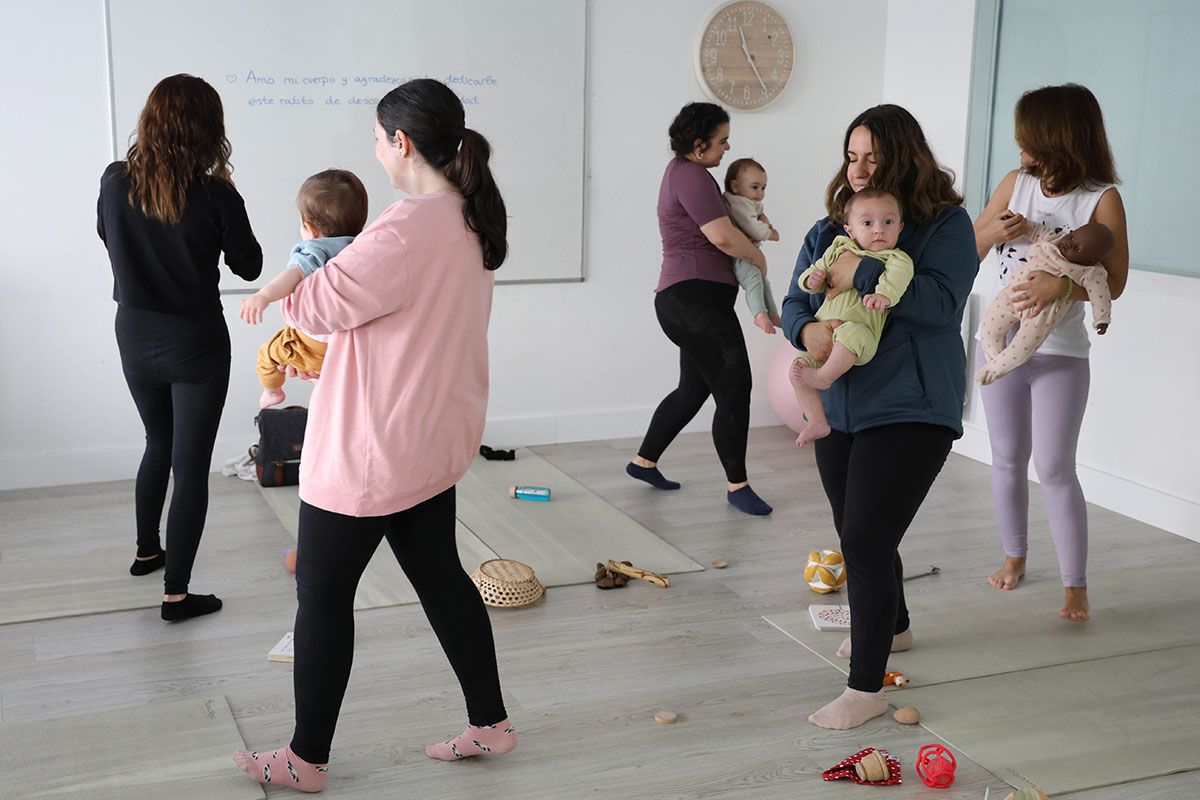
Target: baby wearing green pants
873, 226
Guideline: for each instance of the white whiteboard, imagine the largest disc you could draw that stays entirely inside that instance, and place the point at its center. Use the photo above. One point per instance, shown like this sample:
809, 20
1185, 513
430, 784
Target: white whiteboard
300, 79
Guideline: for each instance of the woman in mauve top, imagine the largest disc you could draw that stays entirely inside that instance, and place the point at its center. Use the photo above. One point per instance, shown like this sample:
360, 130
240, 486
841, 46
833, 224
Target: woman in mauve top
165, 214
394, 422
694, 304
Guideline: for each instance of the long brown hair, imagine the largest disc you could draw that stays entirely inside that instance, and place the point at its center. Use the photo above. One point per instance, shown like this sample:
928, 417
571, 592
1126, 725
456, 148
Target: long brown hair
1062, 129
904, 167
180, 137
432, 116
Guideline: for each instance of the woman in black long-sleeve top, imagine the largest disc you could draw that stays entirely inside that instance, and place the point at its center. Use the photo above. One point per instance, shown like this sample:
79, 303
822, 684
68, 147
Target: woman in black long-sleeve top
165, 214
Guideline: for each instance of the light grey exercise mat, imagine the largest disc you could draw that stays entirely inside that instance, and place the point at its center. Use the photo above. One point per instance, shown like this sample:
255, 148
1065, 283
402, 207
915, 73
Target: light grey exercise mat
181, 749
383, 583
1024, 631
84, 583
562, 539
1075, 726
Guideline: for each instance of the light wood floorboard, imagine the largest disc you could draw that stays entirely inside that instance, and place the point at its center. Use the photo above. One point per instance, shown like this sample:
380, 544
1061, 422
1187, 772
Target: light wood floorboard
584, 670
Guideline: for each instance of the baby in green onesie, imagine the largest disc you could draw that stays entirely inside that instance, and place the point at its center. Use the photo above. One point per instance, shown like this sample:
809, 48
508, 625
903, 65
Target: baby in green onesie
873, 222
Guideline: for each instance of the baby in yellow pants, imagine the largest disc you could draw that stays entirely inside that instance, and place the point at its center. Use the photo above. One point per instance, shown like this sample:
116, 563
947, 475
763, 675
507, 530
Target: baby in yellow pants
333, 210
874, 221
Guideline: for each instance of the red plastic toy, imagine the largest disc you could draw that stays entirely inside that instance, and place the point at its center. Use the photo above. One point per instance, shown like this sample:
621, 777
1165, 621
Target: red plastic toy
935, 766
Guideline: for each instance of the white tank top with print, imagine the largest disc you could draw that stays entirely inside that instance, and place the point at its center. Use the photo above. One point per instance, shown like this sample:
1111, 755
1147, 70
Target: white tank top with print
1061, 214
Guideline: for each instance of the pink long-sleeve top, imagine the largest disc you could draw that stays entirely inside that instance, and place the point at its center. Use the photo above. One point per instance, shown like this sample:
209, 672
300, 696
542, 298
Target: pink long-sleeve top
398, 413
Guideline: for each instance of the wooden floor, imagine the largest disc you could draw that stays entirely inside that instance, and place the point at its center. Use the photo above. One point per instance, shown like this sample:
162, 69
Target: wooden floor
583, 671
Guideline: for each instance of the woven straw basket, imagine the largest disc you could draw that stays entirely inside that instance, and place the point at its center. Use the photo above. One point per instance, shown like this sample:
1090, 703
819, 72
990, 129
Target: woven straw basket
504, 583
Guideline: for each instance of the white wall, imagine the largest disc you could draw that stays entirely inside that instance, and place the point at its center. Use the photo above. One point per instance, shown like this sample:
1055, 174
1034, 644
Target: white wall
1139, 453
569, 361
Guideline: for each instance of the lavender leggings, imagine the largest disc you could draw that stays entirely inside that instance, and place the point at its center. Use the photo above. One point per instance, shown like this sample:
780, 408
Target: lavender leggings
1038, 409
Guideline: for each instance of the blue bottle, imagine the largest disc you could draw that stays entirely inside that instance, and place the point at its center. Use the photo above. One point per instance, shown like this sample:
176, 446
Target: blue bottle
537, 493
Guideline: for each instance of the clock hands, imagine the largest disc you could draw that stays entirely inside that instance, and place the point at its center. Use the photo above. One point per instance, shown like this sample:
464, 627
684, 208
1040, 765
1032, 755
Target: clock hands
750, 59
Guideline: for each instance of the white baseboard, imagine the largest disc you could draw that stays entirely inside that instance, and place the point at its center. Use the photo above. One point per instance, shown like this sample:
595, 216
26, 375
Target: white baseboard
587, 426
66, 467
1143, 503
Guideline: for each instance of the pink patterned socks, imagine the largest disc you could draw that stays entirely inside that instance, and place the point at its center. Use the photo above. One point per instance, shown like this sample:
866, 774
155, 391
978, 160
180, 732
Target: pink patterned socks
283, 768
476, 740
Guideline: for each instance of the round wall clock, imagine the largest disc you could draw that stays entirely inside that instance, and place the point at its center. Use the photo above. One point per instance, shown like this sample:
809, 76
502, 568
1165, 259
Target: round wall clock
744, 57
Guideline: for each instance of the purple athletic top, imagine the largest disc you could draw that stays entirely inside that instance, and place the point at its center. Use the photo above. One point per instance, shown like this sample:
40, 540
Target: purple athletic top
689, 198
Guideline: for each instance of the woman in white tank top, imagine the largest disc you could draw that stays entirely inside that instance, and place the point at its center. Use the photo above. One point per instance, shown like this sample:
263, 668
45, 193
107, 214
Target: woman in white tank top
1066, 180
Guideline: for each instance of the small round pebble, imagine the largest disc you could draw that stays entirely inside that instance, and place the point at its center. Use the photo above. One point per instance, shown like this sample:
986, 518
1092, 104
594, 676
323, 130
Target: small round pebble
666, 717
720, 563
907, 715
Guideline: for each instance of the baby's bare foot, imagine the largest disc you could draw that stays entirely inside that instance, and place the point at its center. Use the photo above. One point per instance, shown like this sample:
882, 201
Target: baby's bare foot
1075, 604
763, 320
812, 379
812, 431
1009, 574
271, 397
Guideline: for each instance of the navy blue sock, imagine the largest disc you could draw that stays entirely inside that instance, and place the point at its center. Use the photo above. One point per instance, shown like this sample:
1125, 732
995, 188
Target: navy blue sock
650, 475
744, 499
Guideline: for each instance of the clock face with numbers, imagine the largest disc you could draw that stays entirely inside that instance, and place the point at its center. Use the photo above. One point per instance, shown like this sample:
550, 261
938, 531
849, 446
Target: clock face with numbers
745, 55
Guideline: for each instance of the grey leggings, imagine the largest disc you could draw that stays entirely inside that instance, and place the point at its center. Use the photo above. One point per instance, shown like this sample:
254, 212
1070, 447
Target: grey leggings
1037, 409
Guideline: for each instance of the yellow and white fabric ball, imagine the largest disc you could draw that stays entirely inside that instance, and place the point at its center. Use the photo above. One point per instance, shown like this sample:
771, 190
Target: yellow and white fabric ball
825, 571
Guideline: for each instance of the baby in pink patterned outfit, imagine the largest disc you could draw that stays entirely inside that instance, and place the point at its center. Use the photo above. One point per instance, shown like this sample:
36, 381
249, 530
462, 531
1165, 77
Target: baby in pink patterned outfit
1076, 256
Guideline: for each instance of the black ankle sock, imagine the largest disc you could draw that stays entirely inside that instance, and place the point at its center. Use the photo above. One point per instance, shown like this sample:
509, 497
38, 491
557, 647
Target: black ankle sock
149, 565
650, 475
193, 605
744, 499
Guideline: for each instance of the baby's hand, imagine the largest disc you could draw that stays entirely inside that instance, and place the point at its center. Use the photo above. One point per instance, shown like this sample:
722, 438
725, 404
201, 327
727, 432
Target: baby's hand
816, 280
253, 307
774, 237
877, 302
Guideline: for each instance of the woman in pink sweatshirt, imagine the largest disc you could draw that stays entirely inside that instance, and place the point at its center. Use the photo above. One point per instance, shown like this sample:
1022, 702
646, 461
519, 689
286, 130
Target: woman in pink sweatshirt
394, 423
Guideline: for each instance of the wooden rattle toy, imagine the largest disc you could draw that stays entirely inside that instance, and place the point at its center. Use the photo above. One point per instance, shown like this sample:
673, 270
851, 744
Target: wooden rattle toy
935, 766
637, 572
894, 679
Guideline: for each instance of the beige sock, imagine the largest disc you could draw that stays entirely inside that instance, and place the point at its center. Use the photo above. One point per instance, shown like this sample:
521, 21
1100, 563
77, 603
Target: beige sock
850, 710
900, 642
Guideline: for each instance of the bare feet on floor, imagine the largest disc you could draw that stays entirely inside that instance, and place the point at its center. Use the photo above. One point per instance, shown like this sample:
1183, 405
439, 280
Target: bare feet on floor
850, 710
1075, 604
1009, 574
900, 642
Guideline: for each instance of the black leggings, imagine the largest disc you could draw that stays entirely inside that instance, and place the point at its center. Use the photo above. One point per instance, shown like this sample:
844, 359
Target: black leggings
178, 373
333, 552
698, 317
876, 480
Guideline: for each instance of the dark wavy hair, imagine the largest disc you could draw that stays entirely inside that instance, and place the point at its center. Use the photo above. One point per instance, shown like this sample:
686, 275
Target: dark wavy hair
432, 116
695, 121
1062, 129
904, 167
180, 137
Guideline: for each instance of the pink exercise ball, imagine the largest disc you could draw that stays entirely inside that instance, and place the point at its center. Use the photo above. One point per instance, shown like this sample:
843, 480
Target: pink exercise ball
779, 388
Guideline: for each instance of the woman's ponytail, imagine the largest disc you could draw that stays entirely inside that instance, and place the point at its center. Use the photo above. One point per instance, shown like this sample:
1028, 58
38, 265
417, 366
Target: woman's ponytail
483, 208
432, 116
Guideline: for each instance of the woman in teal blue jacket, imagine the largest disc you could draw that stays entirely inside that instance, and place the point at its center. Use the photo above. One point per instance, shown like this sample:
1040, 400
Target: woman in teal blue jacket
895, 417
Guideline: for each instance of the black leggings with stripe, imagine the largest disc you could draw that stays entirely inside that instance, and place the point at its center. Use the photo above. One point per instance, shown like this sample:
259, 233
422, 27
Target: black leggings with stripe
333, 552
